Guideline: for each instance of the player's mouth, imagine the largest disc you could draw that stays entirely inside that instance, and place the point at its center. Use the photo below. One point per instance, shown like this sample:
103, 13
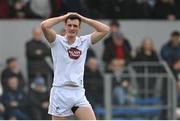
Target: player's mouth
72, 32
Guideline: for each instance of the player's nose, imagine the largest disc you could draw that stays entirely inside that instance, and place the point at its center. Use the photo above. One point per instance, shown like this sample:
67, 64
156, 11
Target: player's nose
72, 27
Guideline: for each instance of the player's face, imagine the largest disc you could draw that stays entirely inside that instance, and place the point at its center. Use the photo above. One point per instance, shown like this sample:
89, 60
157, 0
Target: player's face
72, 27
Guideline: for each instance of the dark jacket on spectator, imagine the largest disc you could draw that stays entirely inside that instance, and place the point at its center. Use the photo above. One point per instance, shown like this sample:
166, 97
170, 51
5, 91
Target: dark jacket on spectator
90, 53
56, 7
109, 40
163, 9
18, 111
6, 73
170, 54
18, 95
36, 99
94, 85
141, 56
37, 63
110, 52
177, 8
118, 79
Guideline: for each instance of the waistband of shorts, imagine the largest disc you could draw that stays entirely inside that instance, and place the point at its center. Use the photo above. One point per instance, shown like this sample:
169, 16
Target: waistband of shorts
68, 87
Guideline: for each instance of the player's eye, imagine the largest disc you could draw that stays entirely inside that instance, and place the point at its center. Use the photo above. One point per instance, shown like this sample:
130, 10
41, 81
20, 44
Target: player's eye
75, 26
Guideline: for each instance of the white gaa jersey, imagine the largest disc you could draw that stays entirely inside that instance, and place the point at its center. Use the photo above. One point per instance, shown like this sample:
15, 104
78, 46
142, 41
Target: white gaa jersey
69, 60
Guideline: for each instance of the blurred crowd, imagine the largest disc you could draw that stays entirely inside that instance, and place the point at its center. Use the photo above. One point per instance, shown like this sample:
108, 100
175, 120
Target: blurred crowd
118, 54
103, 9
28, 99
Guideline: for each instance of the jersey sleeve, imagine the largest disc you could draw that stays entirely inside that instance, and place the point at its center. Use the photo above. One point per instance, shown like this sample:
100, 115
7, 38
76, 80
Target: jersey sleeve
86, 40
58, 37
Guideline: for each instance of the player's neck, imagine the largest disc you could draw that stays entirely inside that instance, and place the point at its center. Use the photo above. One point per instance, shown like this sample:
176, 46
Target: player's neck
71, 40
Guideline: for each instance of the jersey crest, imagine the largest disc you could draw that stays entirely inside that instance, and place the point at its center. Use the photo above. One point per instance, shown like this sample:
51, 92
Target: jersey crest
74, 53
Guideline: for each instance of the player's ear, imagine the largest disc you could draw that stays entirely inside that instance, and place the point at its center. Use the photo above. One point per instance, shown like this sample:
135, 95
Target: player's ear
65, 26
79, 29
79, 26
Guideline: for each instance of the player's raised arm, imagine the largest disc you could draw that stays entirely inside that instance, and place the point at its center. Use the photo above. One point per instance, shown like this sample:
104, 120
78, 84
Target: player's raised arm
47, 25
101, 29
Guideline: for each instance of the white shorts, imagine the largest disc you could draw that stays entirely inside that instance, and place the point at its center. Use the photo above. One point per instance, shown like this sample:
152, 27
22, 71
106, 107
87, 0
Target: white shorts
62, 99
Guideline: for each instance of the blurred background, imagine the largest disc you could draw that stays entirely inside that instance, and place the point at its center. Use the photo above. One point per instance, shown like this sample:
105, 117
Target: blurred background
133, 74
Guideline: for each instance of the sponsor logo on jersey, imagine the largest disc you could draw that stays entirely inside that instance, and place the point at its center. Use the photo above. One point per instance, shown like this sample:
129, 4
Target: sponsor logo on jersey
74, 53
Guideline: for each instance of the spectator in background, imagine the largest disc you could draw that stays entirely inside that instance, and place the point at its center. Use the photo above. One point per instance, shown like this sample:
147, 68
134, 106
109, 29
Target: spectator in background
75, 6
39, 100
12, 69
4, 9
164, 9
94, 10
90, 54
114, 28
2, 109
178, 100
93, 82
116, 67
116, 8
145, 8
170, 52
146, 52
15, 100
17, 9
151, 3
177, 8
120, 49
120, 9
56, 6
123, 91
36, 53
39, 9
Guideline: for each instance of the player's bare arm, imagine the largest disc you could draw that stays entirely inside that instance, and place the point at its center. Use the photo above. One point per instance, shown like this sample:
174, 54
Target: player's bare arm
101, 29
47, 25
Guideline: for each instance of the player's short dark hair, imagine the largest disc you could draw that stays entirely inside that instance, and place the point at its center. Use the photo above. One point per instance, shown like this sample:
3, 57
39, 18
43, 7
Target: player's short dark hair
73, 17
175, 33
114, 23
9, 60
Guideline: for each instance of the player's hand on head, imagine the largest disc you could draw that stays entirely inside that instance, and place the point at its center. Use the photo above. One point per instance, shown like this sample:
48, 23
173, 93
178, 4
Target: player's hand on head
80, 16
73, 13
77, 14
67, 14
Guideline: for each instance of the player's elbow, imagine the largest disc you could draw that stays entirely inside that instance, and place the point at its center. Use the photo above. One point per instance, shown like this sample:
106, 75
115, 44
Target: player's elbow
107, 30
44, 25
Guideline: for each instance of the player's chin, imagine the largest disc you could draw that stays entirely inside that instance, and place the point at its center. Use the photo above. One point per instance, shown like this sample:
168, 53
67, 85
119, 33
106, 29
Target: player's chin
72, 34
